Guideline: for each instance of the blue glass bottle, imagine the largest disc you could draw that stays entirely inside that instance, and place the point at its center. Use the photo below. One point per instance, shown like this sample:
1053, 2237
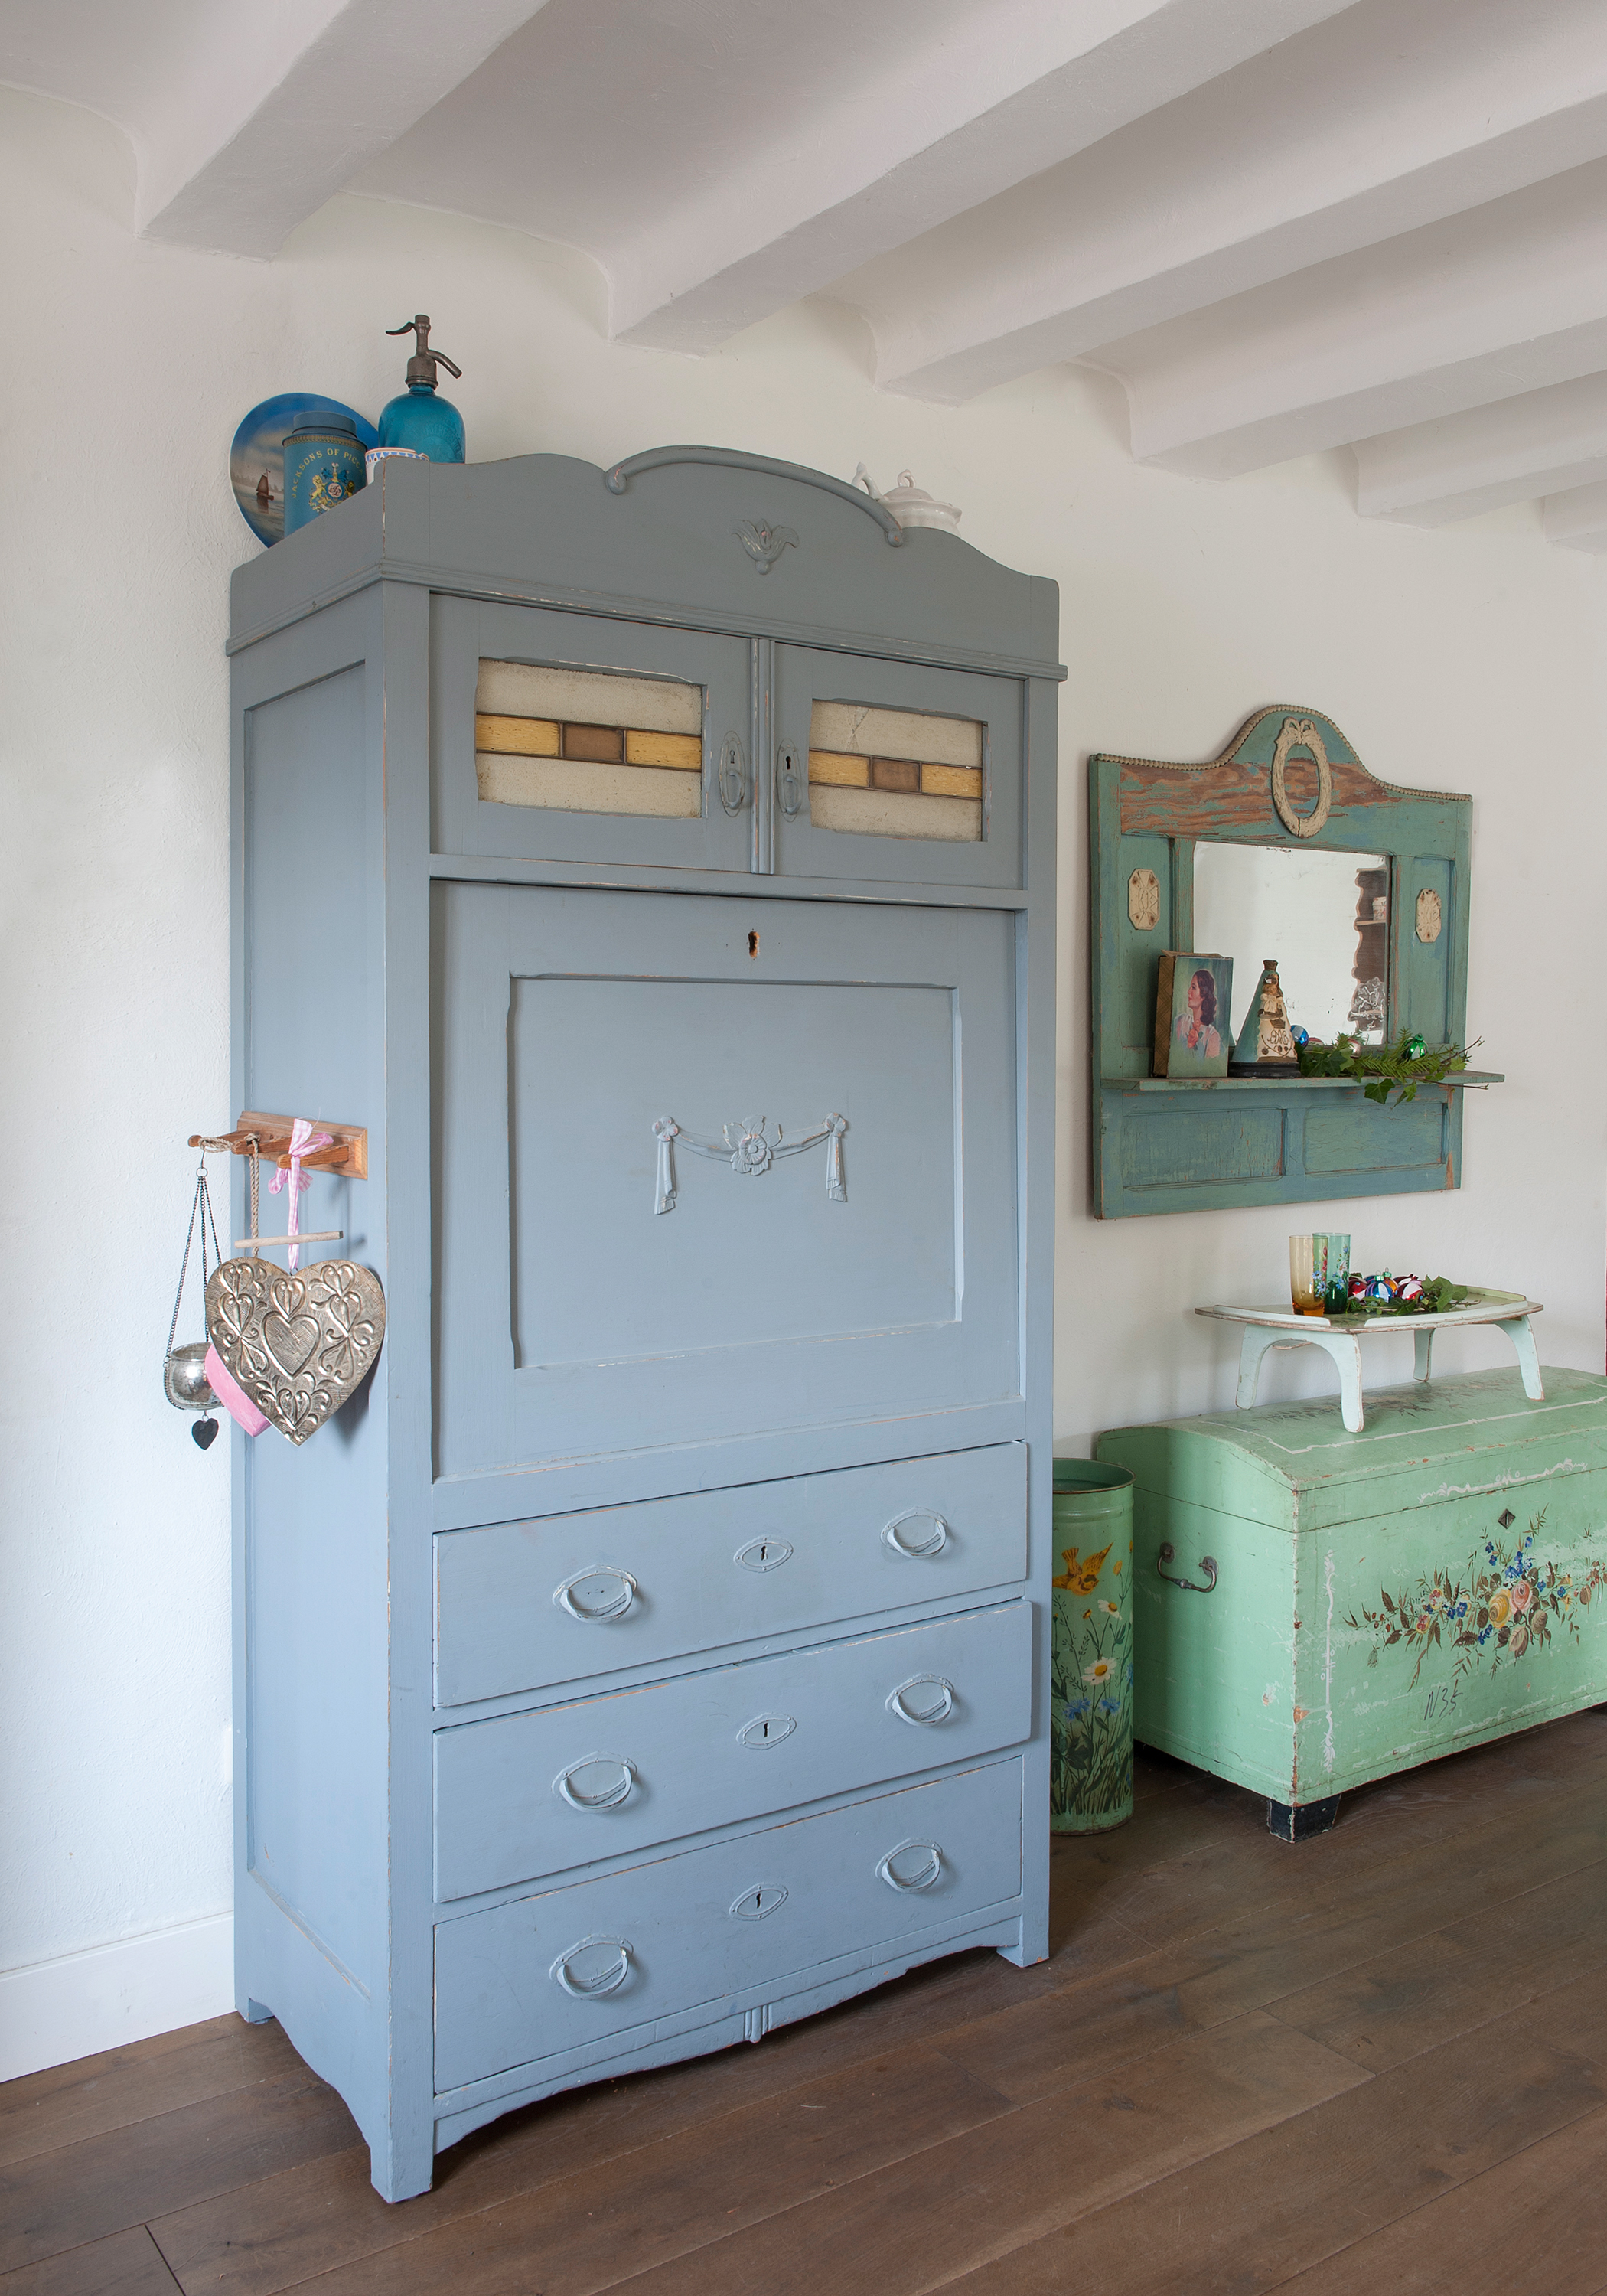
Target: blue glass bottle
418, 418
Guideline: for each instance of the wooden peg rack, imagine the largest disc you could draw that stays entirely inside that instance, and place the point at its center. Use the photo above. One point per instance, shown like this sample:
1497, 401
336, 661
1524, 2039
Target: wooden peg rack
347, 1153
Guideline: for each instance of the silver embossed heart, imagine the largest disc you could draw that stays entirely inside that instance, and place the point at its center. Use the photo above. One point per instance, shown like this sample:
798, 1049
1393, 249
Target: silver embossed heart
298, 1345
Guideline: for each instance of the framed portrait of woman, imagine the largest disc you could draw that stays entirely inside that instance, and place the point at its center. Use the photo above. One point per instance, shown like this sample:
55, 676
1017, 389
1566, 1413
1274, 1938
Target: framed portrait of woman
1192, 1001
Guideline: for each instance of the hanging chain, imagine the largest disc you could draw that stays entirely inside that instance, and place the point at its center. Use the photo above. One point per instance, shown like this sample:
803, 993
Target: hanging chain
185, 1264
200, 1207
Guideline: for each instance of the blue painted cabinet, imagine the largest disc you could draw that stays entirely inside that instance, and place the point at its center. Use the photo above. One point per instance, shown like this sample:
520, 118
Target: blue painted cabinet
653, 1652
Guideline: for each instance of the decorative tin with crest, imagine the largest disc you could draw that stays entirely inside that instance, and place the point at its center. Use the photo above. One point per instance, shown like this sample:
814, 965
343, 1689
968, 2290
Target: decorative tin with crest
324, 463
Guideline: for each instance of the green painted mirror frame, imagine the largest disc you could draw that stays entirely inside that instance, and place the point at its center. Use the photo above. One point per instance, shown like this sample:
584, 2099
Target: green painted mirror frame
1163, 1144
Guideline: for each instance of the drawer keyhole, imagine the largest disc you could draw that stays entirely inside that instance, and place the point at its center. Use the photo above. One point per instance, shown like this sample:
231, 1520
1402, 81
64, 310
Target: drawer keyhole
753, 1905
766, 1729
762, 1555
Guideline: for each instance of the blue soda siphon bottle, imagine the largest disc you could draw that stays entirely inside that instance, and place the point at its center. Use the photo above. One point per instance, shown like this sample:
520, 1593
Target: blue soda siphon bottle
417, 418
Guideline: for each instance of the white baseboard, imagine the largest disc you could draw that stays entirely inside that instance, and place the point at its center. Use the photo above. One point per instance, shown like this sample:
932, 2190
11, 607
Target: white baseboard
52, 2012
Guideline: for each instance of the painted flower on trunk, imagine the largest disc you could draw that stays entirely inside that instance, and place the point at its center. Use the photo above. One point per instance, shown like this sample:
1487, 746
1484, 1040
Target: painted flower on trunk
1506, 1606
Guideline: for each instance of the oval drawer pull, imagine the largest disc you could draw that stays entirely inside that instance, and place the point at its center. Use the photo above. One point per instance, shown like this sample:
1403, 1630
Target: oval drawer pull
607, 1604
611, 1797
930, 1712
609, 1979
924, 1874
766, 1730
916, 1549
764, 1554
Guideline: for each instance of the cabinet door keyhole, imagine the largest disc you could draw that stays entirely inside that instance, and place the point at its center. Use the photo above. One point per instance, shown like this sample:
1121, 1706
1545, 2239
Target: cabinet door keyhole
753, 944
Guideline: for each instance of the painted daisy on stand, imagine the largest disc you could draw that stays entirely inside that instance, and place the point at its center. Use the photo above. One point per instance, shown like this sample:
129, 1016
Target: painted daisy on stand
1091, 1694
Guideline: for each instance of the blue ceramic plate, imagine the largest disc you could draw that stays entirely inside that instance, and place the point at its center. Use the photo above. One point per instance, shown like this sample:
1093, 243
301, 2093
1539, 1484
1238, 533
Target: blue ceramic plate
256, 457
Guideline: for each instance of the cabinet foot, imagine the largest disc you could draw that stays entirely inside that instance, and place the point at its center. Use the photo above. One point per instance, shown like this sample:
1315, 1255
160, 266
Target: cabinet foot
255, 2014
1301, 1822
401, 2173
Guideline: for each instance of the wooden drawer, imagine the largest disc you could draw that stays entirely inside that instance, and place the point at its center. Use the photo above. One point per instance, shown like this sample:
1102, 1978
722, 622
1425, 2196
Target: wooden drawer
522, 1605
539, 1793
656, 1941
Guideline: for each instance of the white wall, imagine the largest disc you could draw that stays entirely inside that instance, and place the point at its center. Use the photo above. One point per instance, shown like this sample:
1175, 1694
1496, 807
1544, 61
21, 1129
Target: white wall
1469, 658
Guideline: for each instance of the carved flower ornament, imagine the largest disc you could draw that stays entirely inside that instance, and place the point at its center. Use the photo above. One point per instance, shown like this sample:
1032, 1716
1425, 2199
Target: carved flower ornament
752, 1146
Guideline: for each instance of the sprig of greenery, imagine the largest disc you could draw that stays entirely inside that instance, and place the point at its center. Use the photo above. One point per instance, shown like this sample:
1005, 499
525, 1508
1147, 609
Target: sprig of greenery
1381, 1069
1438, 1296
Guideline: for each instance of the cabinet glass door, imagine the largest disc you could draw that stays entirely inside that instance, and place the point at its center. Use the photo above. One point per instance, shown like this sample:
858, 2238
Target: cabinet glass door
888, 771
570, 737
713, 1168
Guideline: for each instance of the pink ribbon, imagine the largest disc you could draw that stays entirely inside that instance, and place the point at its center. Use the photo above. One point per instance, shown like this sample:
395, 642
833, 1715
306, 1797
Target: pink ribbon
303, 1140
233, 1397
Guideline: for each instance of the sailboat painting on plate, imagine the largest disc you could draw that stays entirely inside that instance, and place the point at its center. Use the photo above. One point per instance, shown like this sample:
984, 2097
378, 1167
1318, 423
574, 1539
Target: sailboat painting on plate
256, 457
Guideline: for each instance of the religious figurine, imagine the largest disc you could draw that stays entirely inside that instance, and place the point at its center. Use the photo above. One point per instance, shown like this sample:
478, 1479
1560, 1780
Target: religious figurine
1265, 1045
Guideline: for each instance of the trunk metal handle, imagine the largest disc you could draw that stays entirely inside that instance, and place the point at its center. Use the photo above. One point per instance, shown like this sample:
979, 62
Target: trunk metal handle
1208, 1564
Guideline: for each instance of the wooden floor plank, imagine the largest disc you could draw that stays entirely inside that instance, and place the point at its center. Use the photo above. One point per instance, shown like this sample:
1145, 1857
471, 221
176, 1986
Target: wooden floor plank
123, 2085
910, 2226
1262, 2210
1498, 1852
1464, 1975
81, 2191
603, 2223
126, 2264
1246, 2065
1334, 1970
325, 2212
1539, 2221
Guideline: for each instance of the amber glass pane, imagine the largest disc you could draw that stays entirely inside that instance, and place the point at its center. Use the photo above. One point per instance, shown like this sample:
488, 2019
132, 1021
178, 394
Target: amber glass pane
895, 773
583, 741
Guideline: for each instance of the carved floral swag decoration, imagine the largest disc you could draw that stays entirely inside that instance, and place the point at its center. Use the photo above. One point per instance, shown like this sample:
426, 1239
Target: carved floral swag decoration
750, 1147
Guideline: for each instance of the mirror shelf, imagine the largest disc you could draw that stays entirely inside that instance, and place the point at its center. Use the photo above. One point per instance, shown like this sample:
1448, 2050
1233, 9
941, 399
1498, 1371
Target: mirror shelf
1289, 783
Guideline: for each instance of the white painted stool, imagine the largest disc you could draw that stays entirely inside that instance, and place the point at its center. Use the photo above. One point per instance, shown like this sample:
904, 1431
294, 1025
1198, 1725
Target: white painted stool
1282, 1327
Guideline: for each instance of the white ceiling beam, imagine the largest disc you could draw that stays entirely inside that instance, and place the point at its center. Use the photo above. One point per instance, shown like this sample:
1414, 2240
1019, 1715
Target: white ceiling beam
1368, 124
1578, 519
990, 100
1503, 299
269, 115
1543, 442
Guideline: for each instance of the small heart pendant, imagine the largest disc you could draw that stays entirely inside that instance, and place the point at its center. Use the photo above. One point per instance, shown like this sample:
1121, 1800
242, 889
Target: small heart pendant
204, 1432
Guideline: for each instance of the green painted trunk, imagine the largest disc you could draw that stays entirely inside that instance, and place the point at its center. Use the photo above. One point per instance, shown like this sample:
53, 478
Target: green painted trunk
1380, 1598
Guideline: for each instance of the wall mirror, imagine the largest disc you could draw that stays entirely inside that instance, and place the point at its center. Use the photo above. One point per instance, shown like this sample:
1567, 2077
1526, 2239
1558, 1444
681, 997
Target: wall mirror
1284, 846
1324, 915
